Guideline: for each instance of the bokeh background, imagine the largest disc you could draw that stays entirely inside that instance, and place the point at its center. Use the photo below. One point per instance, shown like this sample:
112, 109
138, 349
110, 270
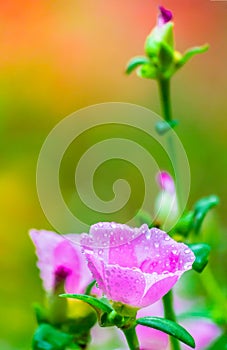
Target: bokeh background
58, 56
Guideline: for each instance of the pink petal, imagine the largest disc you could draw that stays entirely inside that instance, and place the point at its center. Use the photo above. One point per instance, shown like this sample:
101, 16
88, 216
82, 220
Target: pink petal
158, 290
124, 284
164, 17
45, 243
166, 182
57, 255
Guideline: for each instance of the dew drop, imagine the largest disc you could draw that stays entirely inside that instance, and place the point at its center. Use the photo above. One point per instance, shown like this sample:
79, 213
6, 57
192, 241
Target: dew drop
156, 245
100, 252
167, 238
174, 251
187, 265
148, 235
187, 251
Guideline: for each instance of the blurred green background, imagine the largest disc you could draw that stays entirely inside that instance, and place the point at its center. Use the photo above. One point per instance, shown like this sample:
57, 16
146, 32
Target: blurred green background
58, 56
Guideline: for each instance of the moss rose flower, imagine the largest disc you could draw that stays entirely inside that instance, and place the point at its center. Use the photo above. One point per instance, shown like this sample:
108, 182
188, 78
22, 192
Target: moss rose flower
134, 266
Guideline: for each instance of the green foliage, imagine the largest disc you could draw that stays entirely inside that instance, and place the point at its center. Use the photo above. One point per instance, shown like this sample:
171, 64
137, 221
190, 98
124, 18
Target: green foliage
135, 62
47, 337
185, 224
201, 251
190, 53
169, 327
201, 208
101, 307
219, 344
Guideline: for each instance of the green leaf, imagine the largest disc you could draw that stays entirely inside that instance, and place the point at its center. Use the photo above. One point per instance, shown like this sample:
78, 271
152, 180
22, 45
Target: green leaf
162, 127
201, 208
134, 63
219, 344
201, 251
168, 327
47, 337
185, 224
99, 305
190, 53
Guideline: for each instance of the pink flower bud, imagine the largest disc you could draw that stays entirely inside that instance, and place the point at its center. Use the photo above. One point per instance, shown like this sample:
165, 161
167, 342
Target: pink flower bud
60, 261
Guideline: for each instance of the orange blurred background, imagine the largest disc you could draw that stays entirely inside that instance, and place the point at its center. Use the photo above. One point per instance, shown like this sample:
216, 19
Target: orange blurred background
58, 56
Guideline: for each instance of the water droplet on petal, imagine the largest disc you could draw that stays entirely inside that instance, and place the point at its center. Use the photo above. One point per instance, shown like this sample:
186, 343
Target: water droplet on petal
100, 252
187, 265
156, 244
167, 238
148, 234
187, 251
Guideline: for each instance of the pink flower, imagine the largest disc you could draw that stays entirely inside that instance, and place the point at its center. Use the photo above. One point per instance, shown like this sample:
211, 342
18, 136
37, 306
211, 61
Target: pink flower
134, 266
59, 260
164, 16
166, 206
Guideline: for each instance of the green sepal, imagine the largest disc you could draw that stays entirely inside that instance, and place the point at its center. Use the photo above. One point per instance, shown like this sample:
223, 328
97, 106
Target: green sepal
162, 127
201, 251
190, 53
147, 71
185, 224
201, 208
47, 337
134, 63
168, 327
165, 56
89, 287
219, 344
159, 35
142, 217
99, 305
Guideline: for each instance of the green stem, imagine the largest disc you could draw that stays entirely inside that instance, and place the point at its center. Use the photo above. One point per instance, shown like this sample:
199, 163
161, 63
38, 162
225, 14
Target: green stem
170, 315
164, 89
131, 337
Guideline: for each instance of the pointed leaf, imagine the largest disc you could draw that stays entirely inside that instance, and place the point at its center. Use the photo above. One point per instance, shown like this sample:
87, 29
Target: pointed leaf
99, 305
201, 251
168, 327
134, 63
47, 337
184, 225
190, 53
201, 208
